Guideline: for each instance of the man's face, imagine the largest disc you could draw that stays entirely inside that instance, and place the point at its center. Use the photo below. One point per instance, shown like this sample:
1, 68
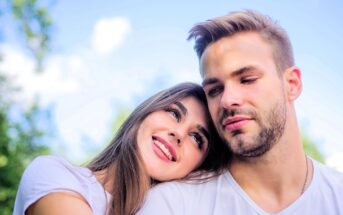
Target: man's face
245, 93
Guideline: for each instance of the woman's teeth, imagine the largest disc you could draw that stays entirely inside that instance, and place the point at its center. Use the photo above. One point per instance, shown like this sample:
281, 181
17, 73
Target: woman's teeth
164, 149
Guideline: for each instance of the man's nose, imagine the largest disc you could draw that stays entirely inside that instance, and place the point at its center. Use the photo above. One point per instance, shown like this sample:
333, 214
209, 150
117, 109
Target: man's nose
232, 97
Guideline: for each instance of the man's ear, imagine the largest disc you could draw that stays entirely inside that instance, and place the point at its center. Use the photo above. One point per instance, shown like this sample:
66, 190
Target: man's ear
293, 83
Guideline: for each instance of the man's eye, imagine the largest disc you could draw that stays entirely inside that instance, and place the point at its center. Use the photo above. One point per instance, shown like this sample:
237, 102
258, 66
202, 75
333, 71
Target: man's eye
198, 139
248, 80
174, 112
213, 92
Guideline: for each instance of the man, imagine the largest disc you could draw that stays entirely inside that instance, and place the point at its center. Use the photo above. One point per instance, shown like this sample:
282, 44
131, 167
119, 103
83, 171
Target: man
251, 83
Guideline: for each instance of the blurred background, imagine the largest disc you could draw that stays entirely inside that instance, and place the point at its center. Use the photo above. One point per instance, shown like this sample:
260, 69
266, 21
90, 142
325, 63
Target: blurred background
71, 72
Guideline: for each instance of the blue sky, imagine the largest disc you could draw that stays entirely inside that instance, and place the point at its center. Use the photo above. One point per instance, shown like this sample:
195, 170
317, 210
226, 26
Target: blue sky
109, 55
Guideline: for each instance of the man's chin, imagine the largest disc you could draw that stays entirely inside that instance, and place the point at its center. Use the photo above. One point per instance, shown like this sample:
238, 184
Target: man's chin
249, 150
243, 145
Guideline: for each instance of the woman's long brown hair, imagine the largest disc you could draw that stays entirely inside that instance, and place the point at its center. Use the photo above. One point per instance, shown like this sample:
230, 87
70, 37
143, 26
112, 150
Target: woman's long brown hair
121, 161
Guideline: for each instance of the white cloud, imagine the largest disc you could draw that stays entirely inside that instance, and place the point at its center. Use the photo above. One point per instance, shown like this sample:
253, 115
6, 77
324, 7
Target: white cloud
109, 33
82, 91
48, 85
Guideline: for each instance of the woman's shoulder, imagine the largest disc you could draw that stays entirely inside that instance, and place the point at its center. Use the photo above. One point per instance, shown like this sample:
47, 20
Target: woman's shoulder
51, 162
48, 167
51, 174
45, 162
54, 171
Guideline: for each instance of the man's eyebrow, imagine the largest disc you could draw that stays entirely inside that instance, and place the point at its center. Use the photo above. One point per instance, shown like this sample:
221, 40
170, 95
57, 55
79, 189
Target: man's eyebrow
203, 131
181, 107
242, 71
208, 81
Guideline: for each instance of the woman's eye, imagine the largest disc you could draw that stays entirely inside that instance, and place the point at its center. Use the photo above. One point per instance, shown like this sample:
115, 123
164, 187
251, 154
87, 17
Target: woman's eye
198, 139
174, 112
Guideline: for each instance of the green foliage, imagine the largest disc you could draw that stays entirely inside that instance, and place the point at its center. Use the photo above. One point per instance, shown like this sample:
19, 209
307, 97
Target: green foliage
19, 144
21, 136
311, 149
35, 26
123, 114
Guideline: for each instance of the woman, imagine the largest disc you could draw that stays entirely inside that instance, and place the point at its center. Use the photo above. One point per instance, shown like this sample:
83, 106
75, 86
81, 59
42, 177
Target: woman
165, 138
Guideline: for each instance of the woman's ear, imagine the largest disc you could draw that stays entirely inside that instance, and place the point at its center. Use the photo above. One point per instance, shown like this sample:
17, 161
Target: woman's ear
293, 83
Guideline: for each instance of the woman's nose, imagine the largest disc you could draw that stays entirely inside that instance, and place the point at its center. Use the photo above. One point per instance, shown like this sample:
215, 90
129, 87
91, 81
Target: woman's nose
175, 136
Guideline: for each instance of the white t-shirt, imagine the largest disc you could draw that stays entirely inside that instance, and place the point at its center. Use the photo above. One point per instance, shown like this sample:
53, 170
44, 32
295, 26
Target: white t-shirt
49, 174
222, 195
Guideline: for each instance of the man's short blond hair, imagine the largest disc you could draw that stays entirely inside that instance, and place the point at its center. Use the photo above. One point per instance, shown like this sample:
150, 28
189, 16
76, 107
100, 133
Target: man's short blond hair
212, 30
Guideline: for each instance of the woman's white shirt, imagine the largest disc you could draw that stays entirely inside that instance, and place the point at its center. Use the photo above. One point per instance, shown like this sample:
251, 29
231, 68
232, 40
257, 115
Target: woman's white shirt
49, 174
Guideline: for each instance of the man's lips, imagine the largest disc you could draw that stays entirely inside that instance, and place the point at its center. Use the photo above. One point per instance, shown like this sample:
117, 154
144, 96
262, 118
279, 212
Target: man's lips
235, 122
164, 149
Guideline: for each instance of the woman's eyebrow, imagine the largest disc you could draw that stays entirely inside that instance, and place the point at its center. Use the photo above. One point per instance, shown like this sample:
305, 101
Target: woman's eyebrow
200, 128
181, 107
203, 131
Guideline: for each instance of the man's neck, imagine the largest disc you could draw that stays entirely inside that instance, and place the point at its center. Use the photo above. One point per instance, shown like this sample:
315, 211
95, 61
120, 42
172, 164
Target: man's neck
276, 179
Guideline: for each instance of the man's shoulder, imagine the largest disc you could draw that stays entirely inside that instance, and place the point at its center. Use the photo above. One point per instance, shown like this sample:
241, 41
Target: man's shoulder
325, 194
329, 176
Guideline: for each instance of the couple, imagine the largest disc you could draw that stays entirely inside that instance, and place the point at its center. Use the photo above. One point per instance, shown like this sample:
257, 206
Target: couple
258, 166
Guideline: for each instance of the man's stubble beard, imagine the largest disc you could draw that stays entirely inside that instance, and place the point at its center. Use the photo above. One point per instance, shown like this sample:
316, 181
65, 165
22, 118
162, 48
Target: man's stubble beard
272, 126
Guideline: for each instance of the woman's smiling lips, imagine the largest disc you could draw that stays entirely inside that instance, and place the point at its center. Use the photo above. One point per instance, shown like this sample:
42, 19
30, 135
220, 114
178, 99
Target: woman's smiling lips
235, 122
163, 149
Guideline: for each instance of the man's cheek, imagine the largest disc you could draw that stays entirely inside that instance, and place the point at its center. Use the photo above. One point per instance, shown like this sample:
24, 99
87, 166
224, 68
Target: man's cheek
214, 113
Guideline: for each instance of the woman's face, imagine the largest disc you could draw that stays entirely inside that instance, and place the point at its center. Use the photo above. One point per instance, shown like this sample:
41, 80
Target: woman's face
174, 141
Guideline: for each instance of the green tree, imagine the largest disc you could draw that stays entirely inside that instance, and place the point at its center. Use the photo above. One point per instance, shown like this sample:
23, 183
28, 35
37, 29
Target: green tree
122, 115
312, 149
20, 142
34, 25
21, 136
